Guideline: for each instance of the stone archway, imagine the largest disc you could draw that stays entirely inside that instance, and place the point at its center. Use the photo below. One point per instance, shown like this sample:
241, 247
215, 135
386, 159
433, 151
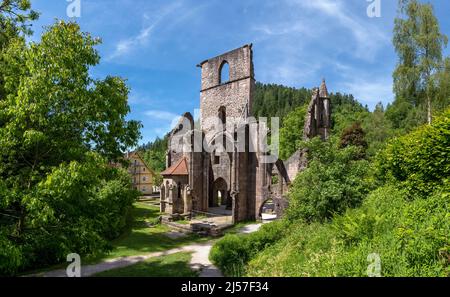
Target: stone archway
220, 195
268, 210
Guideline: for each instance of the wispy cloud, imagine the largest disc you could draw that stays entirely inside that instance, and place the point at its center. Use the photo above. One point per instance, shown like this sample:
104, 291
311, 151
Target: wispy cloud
367, 88
370, 91
368, 37
162, 115
161, 120
125, 46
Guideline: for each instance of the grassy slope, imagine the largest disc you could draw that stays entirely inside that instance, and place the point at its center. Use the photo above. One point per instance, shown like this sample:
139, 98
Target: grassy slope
175, 265
411, 238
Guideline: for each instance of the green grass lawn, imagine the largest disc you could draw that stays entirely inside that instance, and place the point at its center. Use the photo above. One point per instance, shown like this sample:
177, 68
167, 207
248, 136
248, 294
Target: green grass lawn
141, 239
175, 265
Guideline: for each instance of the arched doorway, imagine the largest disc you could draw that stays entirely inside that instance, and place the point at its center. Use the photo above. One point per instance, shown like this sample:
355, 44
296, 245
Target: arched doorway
220, 195
267, 211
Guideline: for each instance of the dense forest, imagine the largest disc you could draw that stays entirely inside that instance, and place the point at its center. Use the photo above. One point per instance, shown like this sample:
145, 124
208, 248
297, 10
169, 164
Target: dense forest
375, 198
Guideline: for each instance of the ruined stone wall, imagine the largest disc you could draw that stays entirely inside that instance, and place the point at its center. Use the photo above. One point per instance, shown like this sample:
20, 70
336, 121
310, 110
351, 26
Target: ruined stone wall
296, 163
234, 93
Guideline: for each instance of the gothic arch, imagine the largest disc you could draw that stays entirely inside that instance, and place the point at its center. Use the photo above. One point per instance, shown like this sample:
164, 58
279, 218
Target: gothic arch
220, 192
224, 72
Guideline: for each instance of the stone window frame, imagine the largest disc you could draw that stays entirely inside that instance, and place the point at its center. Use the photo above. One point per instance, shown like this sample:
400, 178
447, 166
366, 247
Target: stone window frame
221, 68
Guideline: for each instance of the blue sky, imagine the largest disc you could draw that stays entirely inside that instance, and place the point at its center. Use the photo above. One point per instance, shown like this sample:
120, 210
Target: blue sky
156, 45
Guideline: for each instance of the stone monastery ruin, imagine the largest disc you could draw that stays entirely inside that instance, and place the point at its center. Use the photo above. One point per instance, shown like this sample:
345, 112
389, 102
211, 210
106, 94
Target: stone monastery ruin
221, 173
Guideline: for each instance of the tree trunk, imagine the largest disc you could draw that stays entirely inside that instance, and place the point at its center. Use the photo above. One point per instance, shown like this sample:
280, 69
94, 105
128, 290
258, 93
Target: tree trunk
429, 109
21, 223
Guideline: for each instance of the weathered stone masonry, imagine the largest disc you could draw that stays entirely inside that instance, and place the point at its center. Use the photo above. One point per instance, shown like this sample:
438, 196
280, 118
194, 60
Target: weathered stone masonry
237, 180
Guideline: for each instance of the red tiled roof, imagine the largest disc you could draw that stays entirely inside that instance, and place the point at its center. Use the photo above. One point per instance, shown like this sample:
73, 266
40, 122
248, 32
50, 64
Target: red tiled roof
179, 168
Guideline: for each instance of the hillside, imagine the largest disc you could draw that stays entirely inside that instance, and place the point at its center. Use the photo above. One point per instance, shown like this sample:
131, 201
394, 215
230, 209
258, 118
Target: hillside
351, 218
272, 100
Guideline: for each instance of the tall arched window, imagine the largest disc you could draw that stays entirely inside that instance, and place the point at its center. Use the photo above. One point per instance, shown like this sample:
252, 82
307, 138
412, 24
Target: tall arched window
224, 72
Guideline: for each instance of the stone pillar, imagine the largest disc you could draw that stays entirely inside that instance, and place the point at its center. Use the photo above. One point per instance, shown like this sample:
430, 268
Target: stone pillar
162, 199
170, 202
187, 194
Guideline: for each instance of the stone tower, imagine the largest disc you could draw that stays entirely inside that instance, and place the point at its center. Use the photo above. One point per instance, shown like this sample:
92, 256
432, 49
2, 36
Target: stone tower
223, 96
226, 98
318, 117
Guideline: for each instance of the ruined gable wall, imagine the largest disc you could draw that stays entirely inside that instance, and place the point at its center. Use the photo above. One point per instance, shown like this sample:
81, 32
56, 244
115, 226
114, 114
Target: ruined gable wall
234, 94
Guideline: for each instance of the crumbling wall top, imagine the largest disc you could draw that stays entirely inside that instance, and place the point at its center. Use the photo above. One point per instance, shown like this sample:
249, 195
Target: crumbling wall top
240, 65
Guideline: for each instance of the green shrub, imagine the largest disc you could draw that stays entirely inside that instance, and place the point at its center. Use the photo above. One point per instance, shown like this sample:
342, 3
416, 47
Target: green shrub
411, 237
232, 252
10, 256
77, 208
421, 159
334, 181
423, 235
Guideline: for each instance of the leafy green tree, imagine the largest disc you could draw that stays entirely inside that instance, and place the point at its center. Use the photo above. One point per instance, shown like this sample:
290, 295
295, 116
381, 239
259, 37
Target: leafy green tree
443, 92
419, 160
291, 133
335, 180
346, 113
419, 43
15, 18
155, 154
378, 130
354, 135
157, 179
53, 118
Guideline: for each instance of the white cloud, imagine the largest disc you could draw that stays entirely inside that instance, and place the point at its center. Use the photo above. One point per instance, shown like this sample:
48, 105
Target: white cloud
125, 46
369, 38
162, 115
283, 29
370, 91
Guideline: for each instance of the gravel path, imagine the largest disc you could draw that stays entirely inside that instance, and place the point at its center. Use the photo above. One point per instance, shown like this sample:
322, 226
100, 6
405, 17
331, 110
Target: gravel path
199, 260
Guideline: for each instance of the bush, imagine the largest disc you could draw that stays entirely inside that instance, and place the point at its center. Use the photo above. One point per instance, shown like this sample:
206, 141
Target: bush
421, 159
10, 256
411, 238
334, 181
77, 208
232, 252
354, 135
